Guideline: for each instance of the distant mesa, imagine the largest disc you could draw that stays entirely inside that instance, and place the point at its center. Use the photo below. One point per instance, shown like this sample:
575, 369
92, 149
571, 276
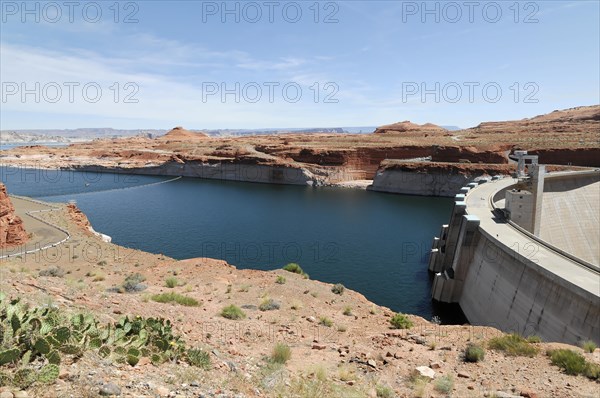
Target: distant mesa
181, 134
407, 126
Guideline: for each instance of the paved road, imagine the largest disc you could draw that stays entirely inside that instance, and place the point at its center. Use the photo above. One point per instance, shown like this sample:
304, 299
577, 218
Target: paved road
478, 203
43, 234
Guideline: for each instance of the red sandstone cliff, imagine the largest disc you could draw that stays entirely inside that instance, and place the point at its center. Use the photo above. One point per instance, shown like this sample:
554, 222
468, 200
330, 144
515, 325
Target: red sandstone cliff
12, 231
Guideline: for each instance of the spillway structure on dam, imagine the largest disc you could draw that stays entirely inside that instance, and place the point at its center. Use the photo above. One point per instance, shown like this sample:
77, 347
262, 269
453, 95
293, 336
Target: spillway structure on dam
522, 254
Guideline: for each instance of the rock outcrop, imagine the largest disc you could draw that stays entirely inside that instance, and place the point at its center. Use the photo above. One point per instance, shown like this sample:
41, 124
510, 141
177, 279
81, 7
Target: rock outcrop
180, 134
407, 126
80, 219
12, 231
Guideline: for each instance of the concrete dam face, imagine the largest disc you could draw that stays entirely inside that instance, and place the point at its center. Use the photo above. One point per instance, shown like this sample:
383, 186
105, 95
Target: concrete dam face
522, 255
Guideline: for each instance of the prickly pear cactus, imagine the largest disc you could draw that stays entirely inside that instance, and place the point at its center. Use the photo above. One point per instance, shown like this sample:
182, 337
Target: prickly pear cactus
26, 358
53, 357
5, 379
23, 378
132, 360
48, 374
42, 346
9, 356
62, 334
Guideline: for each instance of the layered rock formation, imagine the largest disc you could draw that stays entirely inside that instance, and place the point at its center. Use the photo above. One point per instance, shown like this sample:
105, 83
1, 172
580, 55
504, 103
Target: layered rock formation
12, 231
181, 134
568, 137
431, 178
408, 127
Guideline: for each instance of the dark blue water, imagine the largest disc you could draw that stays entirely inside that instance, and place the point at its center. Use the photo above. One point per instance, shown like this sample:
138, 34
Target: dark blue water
377, 244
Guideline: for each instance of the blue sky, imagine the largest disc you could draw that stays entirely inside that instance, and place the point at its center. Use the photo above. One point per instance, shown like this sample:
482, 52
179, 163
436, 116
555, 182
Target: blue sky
369, 62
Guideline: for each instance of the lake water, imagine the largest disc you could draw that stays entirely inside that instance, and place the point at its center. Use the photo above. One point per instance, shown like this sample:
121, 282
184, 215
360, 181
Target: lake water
5, 146
375, 243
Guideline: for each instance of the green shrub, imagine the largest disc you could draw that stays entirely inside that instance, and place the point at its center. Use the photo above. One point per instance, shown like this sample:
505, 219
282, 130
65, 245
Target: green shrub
325, 321
384, 391
268, 304
296, 269
198, 358
401, 321
474, 353
570, 361
513, 345
348, 311
534, 339
592, 371
171, 282
444, 384
281, 353
338, 288
55, 272
589, 346
280, 279
172, 297
233, 312
133, 283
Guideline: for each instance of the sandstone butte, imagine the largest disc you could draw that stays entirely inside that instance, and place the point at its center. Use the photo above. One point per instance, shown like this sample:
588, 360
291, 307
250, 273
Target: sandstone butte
12, 232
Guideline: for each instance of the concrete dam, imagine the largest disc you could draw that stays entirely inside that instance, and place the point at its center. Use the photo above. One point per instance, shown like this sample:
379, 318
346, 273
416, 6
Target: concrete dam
522, 254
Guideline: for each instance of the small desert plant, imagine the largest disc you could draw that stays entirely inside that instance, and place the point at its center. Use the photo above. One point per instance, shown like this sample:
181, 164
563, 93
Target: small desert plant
171, 282
242, 289
99, 277
280, 279
198, 358
325, 321
419, 385
513, 345
384, 391
347, 373
535, 339
444, 384
474, 353
296, 305
175, 298
573, 363
589, 346
233, 312
55, 272
281, 353
348, 311
401, 321
102, 263
342, 328
338, 288
268, 304
296, 269
133, 283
